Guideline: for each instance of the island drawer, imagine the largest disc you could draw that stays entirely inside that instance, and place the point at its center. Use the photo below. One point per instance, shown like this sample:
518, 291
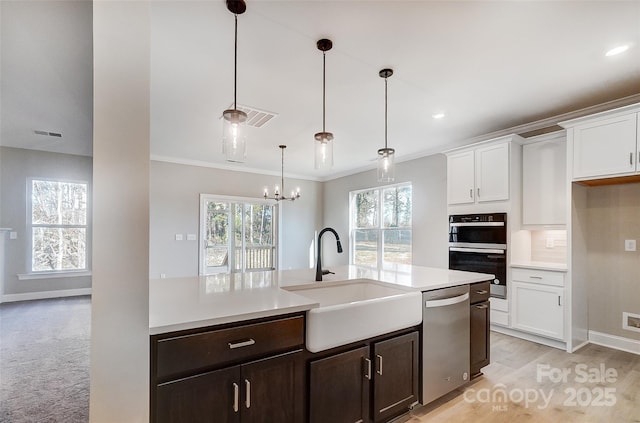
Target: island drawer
184, 354
479, 292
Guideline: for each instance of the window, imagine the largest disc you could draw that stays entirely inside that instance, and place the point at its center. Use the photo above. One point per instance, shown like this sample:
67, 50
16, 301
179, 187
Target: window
58, 226
237, 235
381, 226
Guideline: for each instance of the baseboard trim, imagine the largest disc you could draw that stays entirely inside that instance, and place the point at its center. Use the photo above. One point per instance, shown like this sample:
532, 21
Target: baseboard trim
8, 298
530, 337
615, 342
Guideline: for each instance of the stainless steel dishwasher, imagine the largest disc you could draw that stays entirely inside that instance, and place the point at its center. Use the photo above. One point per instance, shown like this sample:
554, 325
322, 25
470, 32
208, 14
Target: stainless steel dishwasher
445, 341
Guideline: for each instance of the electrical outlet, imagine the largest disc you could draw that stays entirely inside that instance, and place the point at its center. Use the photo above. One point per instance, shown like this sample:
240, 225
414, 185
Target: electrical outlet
13, 235
178, 237
191, 237
549, 243
629, 244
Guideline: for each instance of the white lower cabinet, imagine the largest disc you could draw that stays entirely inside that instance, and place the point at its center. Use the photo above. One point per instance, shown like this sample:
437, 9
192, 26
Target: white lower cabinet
498, 311
538, 309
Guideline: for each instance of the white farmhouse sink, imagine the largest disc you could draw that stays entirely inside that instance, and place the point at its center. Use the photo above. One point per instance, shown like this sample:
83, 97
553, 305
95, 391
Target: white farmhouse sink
358, 309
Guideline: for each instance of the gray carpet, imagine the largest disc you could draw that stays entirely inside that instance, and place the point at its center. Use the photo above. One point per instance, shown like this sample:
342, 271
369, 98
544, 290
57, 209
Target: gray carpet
44, 360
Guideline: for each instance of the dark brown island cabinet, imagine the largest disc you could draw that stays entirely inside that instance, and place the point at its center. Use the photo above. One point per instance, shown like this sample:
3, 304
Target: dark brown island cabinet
258, 371
252, 373
373, 382
479, 333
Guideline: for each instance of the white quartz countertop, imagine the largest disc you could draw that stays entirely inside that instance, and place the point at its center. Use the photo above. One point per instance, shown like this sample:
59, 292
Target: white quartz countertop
192, 302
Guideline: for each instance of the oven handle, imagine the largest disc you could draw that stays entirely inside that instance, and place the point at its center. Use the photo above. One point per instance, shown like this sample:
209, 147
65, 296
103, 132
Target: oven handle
477, 224
476, 250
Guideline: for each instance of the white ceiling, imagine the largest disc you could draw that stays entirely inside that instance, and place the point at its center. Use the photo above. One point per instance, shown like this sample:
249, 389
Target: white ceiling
487, 65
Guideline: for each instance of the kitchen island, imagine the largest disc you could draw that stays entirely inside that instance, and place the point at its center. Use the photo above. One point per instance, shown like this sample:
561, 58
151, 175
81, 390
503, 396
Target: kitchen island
199, 301
232, 347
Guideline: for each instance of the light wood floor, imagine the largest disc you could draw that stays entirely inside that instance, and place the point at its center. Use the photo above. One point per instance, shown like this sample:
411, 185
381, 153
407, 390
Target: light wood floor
515, 368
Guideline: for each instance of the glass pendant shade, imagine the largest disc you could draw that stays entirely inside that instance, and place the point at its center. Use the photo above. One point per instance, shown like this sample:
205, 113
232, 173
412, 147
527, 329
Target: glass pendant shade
386, 164
323, 150
234, 135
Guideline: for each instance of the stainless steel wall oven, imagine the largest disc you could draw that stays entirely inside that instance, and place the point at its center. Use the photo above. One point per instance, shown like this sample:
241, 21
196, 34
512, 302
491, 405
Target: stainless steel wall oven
478, 243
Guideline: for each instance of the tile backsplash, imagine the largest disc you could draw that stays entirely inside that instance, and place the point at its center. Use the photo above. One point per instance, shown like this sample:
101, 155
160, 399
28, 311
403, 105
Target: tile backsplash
549, 246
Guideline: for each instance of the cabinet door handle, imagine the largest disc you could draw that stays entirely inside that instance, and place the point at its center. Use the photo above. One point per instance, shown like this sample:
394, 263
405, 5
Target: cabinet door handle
240, 344
236, 397
470, 192
379, 371
482, 306
478, 192
247, 400
559, 301
631, 158
482, 292
367, 364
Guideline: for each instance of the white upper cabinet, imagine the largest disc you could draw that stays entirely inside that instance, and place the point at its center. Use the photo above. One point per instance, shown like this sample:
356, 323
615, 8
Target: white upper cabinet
544, 181
605, 145
492, 173
478, 175
460, 178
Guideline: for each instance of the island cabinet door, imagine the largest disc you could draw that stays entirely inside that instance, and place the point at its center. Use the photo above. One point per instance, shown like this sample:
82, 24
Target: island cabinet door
339, 388
208, 397
396, 376
273, 389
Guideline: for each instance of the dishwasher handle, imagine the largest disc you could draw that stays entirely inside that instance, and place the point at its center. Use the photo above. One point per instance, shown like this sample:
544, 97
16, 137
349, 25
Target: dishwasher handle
446, 301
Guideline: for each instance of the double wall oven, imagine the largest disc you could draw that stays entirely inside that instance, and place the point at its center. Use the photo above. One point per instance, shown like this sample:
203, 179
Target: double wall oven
478, 243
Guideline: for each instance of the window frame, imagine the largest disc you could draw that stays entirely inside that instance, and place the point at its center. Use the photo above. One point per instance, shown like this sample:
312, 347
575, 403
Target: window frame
379, 229
37, 274
203, 269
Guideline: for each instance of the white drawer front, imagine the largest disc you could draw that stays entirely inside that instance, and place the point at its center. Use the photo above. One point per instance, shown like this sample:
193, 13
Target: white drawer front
544, 277
499, 317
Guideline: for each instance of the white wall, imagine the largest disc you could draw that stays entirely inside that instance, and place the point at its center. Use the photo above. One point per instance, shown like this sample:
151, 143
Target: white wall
428, 176
16, 167
175, 209
120, 304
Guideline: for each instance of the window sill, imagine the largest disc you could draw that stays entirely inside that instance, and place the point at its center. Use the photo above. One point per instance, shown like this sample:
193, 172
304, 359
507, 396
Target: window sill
53, 275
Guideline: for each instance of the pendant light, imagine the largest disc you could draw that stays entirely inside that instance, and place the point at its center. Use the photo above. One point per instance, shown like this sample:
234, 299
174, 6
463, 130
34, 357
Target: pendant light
386, 155
278, 194
324, 140
234, 142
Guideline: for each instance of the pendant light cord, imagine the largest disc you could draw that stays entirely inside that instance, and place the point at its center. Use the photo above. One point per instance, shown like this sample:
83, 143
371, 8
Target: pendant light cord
324, 60
385, 112
235, 65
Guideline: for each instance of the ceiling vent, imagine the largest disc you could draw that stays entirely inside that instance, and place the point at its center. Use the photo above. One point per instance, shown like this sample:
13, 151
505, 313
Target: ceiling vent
48, 134
255, 117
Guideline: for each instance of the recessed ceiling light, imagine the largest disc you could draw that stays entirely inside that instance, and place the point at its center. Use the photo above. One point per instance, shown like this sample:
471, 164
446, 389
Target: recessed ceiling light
438, 115
617, 50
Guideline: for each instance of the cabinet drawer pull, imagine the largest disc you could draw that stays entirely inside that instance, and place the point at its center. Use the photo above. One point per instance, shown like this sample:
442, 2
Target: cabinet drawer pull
379, 371
240, 344
367, 363
247, 400
236, 397
482, 292
482, 306
535, 277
